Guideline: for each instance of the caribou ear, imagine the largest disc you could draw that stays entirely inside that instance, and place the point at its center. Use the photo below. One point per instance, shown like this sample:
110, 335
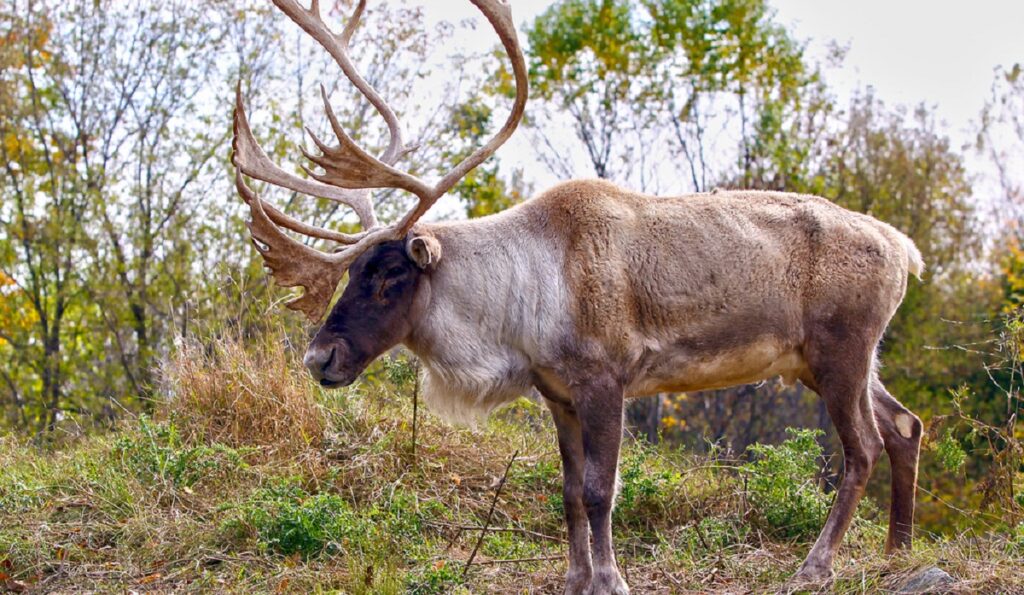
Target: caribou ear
424, 250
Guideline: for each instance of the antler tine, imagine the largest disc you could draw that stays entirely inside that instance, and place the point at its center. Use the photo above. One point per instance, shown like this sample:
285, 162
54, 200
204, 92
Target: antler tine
348, 170
499, 14
352, 24
248, 156
292, 263
349, 166
337, 46
396, 148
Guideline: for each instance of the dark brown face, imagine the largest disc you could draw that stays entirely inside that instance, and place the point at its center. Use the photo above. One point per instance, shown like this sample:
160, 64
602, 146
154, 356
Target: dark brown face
371, 317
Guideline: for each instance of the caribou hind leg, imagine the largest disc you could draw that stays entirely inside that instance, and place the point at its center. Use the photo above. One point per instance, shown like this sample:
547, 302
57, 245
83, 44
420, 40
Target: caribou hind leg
840, 364
570, 445
901, 431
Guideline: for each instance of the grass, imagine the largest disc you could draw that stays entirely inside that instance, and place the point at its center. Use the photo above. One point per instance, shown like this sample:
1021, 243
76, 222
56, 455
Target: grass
251, 479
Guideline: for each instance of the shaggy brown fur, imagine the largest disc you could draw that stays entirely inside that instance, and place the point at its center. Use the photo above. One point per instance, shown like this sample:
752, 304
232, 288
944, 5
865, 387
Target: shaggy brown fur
594, 294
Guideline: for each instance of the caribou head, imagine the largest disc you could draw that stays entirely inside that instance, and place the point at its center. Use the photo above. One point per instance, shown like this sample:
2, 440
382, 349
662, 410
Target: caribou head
386, 263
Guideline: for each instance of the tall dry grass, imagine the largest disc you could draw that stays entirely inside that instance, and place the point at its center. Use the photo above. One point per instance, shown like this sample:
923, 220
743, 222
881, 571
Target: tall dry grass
243, 395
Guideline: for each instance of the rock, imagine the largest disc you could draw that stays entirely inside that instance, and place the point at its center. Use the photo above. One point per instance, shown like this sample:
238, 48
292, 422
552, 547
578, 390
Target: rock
929, 580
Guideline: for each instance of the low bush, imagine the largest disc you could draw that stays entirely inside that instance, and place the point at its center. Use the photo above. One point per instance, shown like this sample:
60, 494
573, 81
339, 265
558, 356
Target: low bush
650, 490
286, 519
156, 454
787, 499
440, 577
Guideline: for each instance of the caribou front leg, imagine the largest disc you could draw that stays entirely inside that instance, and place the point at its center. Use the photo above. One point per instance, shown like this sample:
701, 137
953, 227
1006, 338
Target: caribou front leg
570, 445
598, 403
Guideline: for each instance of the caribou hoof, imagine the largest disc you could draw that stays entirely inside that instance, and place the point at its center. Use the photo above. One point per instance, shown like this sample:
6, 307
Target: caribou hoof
577, 581
809, 577
607, 582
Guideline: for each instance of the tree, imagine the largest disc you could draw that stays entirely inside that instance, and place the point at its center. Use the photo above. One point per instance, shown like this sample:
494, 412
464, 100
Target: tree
108, 148
725, 55
45, 204
1001, 140
588, 60
119, 226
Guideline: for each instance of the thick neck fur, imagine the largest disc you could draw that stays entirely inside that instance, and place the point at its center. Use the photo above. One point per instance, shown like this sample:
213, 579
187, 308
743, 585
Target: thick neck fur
496, 304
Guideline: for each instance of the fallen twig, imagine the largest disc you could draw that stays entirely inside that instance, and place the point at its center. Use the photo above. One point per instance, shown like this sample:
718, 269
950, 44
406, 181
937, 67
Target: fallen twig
415, 405
669, 576
490, 513
461, 528
521, 560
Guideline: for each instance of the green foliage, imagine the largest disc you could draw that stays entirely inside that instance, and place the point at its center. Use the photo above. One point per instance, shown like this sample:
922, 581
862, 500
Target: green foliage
984, 436
649, 487
730, 45
439, 578
483, 190
785, 495
368, 522
540, 475
571, 33
1015, 543
18, 495
506, 545
1012, 274
286, 519
156, 454
951, 455
400, 372
625, 72
709, 535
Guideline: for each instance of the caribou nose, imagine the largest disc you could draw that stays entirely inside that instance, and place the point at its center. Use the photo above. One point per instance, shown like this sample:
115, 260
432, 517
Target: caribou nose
317, 360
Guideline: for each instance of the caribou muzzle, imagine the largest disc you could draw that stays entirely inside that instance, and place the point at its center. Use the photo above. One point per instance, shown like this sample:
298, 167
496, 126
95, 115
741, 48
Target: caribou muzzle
329, 364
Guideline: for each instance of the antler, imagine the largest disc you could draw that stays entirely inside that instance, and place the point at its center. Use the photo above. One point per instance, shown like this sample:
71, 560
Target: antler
349, 171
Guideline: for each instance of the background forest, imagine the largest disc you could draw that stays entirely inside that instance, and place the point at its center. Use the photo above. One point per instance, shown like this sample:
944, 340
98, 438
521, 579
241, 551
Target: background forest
123, 244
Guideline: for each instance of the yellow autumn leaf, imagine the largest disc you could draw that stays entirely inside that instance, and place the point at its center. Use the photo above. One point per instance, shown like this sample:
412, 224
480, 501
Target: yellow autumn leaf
11, 143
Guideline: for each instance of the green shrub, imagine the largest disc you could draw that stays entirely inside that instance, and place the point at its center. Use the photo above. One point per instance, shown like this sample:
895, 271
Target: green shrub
400, 372
286, 519
647, 487
543, 475
156, 454
713, 533
508, 545
18, 495
782, 488
440, 577
949, 452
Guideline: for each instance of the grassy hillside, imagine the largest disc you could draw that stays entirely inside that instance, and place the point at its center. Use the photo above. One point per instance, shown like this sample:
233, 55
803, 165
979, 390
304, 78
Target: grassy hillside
248, 478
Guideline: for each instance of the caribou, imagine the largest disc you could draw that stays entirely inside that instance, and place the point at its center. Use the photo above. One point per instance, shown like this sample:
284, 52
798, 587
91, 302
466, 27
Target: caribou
594, 294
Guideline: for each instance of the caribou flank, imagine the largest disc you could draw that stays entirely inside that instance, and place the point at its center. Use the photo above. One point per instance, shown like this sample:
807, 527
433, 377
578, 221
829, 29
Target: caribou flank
594, 294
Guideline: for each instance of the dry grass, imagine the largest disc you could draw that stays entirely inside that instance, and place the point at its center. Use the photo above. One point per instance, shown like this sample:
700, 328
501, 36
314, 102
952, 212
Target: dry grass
243, 395
90, 517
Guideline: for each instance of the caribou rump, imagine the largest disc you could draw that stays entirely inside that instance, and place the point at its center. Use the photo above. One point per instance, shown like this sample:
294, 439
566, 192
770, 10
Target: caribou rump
593, 294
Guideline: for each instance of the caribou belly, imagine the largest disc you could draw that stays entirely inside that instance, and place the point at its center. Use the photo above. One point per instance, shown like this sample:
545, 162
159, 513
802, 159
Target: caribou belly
682, 370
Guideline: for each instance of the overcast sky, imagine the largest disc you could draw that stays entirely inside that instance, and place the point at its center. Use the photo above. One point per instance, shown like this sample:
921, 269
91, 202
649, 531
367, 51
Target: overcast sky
942, 52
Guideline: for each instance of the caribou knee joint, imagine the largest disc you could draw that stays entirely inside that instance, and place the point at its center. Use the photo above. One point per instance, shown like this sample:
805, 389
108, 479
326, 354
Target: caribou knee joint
597, 497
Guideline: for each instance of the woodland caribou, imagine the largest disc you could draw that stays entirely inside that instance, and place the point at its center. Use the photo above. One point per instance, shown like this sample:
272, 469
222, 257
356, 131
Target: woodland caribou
594, 294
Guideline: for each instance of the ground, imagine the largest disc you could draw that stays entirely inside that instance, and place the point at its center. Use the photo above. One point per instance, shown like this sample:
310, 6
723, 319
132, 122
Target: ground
248, 478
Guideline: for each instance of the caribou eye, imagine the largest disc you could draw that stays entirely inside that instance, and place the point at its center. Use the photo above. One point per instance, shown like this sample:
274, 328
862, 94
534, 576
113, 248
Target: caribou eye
386, 282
